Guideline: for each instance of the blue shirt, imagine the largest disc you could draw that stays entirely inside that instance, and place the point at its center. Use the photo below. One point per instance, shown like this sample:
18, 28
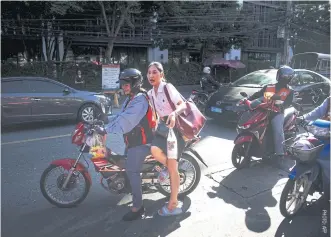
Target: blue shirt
130, 116
318, 112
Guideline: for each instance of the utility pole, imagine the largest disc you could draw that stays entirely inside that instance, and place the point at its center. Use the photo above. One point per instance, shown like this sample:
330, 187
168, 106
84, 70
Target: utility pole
287, 31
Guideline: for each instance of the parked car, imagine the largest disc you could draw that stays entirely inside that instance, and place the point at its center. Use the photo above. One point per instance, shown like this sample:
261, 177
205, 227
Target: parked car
310, 89
31, 99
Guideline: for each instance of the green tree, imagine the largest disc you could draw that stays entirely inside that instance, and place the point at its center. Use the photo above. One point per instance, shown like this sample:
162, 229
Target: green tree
205, 25
32, 10
310, 26
115, 15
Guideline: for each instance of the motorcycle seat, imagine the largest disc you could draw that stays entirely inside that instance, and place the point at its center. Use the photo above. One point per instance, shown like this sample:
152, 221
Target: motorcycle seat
288, 113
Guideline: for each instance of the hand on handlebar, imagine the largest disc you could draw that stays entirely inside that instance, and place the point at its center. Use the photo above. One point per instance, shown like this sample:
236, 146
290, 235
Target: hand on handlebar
100, 130
242, 101
301, 121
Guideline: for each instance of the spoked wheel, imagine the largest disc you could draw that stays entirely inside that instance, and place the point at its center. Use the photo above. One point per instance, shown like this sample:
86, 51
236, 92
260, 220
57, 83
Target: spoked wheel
189, 173
293, 196
240, 155
51, 185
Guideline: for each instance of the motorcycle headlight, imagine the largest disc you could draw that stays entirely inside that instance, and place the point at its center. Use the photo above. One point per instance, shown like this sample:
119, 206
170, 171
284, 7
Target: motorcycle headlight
244, 126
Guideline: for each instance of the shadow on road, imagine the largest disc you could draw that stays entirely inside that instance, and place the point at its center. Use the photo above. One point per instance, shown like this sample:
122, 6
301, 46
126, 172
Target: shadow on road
312, 213
152, 225
100, 218
250, 190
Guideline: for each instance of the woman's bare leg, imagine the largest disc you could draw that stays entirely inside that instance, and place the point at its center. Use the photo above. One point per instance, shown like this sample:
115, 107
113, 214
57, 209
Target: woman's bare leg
172, 166
174, 183
158, 155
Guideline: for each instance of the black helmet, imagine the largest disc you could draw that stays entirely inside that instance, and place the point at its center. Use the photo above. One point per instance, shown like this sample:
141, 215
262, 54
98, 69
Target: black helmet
285, 74
132, 76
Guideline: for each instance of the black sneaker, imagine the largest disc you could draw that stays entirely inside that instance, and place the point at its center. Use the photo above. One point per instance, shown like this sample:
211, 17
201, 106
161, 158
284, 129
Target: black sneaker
131, 216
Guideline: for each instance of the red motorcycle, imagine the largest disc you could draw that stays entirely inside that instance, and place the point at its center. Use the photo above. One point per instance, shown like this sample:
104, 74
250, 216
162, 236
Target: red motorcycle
71, 179
254, 129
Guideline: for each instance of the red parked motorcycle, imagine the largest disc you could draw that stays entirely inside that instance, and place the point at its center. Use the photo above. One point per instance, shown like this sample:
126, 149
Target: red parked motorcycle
71, 180
254, 129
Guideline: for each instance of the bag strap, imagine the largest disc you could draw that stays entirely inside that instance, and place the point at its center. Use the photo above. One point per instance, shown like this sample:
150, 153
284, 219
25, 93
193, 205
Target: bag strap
168, 97
127, 102
154, 109
170, 100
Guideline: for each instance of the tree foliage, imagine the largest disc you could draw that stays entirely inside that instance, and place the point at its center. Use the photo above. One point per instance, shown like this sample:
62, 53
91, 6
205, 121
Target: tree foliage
310, 26
116, 15
39, 9
219, 25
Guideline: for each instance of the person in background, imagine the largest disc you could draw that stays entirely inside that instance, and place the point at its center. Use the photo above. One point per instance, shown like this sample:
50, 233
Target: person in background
207, 82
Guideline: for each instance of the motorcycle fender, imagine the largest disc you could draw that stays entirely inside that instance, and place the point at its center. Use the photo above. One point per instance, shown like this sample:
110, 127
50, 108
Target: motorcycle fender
190, 151
67, 163
301, 169
243, 138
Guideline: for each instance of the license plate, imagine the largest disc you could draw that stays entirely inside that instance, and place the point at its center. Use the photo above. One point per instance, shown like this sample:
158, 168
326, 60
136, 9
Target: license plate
216, 110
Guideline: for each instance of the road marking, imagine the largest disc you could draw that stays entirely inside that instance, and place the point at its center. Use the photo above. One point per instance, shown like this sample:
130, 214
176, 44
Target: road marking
35, 139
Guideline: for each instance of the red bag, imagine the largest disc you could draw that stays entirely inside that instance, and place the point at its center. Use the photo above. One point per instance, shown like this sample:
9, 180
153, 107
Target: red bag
191, 121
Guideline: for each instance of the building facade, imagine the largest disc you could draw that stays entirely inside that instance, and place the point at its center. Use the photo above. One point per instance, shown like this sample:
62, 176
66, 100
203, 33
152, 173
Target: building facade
268, 44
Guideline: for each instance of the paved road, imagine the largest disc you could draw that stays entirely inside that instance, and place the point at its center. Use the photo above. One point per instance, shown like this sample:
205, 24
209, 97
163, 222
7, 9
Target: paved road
226, 203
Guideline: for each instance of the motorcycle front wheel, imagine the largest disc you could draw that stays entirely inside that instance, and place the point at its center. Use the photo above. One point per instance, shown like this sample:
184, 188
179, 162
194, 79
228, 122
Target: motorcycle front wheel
293, 193
189, 173
240, 155
51, 183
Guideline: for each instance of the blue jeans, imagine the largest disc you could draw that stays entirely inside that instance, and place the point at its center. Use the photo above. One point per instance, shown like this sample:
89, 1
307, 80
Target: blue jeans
278, 133
135, 159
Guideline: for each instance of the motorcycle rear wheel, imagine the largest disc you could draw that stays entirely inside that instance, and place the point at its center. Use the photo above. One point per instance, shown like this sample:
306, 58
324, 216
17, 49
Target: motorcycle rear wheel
165, 189
71, 184
240, 149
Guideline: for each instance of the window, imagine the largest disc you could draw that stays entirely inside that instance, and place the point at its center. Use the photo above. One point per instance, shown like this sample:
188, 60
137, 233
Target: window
325, 65
14, 87
257, 78
45, 87
305, 78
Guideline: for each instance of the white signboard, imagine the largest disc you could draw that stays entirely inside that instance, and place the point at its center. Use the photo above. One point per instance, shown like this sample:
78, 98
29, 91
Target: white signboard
110, 73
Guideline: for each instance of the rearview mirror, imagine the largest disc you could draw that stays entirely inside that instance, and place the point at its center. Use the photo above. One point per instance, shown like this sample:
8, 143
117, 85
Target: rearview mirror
244, 94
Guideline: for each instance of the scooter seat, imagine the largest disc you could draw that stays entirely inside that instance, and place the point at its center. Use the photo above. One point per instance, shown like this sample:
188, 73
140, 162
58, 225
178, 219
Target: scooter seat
288, 113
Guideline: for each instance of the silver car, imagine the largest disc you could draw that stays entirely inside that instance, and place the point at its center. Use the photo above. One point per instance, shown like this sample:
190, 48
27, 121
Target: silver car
31, 99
